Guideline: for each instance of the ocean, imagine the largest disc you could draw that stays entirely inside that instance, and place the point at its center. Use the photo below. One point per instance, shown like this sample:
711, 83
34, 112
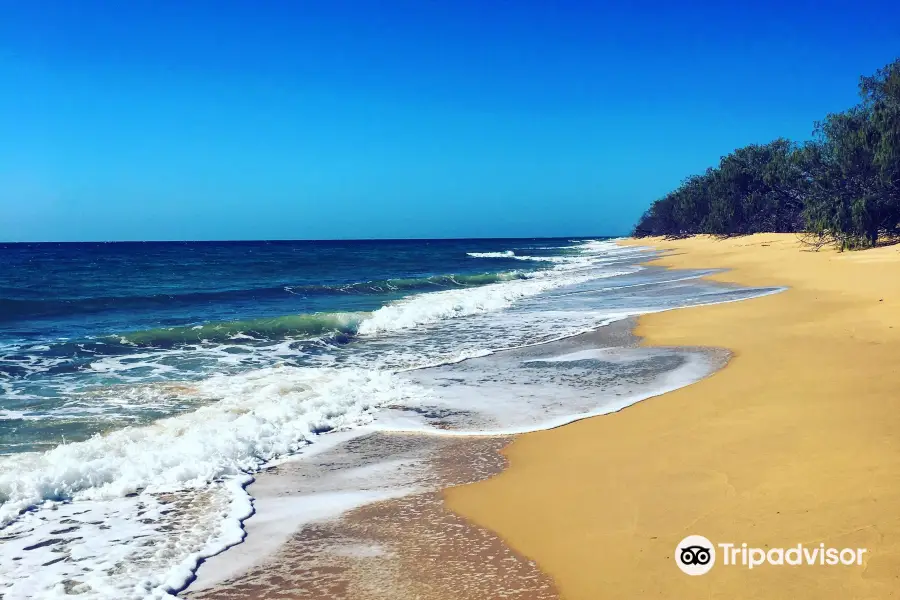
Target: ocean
143, 386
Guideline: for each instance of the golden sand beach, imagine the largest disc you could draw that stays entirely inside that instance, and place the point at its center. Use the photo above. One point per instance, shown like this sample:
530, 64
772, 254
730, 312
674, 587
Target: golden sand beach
797, 440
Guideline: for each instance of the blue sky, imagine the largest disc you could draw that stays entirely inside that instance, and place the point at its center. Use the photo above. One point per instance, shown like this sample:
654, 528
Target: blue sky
153, 119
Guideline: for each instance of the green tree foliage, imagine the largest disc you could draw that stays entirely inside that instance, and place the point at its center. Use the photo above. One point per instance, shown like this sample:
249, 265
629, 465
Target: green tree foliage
756, 188
842, 187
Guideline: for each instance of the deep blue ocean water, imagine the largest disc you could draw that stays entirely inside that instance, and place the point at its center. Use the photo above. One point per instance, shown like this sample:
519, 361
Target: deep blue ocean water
87, 289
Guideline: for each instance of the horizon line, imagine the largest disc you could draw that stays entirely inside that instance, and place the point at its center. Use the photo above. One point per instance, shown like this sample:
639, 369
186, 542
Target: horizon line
373, 239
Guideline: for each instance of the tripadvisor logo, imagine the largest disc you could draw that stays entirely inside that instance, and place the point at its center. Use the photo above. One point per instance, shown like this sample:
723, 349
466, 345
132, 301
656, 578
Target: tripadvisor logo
696, 555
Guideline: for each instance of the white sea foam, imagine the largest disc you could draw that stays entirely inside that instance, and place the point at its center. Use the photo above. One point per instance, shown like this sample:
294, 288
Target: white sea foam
551, 259
504, 254
14, 415
513, 397
279, 514
425, 309
259, 415
142, 546
448, 304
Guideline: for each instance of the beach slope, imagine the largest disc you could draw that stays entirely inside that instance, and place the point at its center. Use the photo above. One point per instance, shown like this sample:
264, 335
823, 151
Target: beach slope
797, 440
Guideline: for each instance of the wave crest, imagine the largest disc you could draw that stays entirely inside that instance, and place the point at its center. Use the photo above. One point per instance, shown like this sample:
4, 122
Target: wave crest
310, 325
504, 254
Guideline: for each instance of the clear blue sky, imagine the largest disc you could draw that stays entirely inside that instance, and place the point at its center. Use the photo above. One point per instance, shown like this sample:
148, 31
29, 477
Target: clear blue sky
194, 119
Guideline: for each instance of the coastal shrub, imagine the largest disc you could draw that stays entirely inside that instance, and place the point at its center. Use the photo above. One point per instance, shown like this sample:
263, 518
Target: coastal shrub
842, 187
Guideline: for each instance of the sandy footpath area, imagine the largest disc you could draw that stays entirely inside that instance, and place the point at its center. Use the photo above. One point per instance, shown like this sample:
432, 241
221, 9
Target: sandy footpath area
797, 440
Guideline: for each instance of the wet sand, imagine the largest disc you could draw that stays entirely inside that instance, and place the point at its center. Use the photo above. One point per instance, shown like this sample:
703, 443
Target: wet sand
403, 548
797, 440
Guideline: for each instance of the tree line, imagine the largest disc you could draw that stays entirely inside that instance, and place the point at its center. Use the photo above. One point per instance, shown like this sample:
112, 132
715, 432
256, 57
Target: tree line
842, 187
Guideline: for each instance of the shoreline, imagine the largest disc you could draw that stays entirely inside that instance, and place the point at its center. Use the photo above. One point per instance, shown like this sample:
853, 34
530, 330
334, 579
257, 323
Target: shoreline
405, 546
363, 551
794, 441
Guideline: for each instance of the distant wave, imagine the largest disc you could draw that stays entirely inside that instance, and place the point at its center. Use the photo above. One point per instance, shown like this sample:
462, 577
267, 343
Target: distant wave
12, 309
431, 282
504, 254
511, 254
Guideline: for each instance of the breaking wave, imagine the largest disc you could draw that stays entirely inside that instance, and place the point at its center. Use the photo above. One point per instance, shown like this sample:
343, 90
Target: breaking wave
266, 329
12, 309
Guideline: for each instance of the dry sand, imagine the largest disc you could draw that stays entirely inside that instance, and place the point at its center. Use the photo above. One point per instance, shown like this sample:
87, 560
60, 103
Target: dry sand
797, 440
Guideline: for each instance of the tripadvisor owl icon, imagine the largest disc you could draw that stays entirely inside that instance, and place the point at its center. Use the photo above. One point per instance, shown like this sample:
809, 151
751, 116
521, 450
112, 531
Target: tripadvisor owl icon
695, 555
